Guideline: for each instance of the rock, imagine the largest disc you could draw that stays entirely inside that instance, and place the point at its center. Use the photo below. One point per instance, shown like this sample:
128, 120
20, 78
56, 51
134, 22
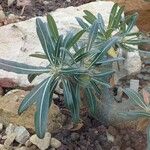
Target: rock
134, 85
28, 143
1, 127
11, 18
133, 62
46, 2
22, 135
115, 148
10, 2
9, 113
110, 137
55, 143
22, 148
42, 144
2, 16
9, 140
10, 129
19, 41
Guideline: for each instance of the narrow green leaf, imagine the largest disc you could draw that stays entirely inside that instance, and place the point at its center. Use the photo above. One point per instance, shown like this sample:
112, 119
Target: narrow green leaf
112, 15
45, 39
106, 62
92, 35
135, 114
101, 25
32, 97
21, 68
132, 21
103, 74
31, 77
39, 55
103, 49
118, 16
89, 16
91, 100
74, 39
84, 25
101, 82
58, 49
135, 97
41, 114
52, 27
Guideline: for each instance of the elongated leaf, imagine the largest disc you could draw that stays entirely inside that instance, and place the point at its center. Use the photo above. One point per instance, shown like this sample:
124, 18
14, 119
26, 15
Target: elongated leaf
101, 82
45, 39
96, 87
41, 115
75, 89
91, 100
71, 100
32, 97
89, 16
71, 71
52, 27
58, 49
21, 68
92, 35
135, 97
84, 25
135, 114
39, 55
132, 22
31, 77
103, 74
138, 41
106, 62
118, 16
112, 15
74, 39
104, 48
101, 25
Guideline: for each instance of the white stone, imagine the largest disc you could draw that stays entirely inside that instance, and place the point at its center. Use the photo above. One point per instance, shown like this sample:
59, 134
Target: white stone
134, 85
21, 148
42, 144
133, 62
55, 143
22, 135
10, 129
1, 127
9, 140
10, 2
19, 40
2, 15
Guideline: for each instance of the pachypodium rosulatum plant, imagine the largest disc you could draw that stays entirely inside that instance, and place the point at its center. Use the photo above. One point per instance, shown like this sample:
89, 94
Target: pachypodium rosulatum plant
143, 110
73, 65
77, 64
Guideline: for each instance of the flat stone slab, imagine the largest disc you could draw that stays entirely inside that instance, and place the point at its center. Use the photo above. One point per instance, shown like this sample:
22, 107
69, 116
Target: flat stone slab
19, 40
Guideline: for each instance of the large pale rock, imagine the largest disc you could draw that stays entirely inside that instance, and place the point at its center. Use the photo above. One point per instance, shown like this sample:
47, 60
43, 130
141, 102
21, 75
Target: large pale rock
8, 113
19, 40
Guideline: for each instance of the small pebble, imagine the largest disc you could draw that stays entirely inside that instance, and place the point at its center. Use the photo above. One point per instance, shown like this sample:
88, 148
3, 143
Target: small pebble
1, 127
55, 143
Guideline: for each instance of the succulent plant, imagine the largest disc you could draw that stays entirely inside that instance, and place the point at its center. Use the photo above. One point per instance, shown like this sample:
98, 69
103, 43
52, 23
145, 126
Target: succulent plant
76, 66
